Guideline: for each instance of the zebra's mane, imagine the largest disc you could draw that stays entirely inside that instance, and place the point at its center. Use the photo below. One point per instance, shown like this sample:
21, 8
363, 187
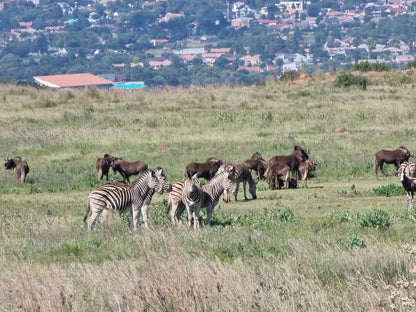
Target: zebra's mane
143, 176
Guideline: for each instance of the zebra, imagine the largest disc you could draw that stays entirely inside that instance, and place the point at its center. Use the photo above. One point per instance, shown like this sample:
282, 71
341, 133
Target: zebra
122, 197
211, 194
192, 197
241, 174
406, 174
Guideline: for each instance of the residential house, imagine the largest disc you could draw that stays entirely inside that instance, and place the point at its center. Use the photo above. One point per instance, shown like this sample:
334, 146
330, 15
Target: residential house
78, 81
253, 60
241, 22
159, 64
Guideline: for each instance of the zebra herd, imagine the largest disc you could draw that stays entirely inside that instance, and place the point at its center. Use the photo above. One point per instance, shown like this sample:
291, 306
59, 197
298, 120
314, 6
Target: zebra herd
189, 194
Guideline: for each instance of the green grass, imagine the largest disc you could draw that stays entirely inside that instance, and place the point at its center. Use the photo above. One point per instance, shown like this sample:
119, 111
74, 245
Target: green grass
346, 243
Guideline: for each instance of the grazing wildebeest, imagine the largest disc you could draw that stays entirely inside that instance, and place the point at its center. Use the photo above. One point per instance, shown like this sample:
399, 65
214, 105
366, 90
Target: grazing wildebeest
293, 160
395, 157
204, 170
22, 168
258, 164
128, 168
304, 168
103, 165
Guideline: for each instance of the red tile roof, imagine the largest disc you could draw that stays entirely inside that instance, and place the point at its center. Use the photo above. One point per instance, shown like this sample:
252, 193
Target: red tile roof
72, 80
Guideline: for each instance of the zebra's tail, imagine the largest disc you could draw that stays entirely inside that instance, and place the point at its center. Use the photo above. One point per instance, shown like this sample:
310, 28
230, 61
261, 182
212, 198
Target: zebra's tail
88, 210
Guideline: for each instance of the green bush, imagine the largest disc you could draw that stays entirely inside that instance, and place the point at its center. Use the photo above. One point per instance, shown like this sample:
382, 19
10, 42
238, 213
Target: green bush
347, 80
388, 190
376, 218
366, 67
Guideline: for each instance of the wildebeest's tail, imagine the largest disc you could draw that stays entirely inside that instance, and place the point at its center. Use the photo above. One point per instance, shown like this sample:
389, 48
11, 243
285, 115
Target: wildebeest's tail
88, 210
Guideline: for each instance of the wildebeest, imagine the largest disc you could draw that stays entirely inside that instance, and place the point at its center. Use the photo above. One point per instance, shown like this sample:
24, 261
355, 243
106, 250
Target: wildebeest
256, 163
275, 173
22, 168
204, 170
128, 168
293, 160
304, 169
395, 157
103, 165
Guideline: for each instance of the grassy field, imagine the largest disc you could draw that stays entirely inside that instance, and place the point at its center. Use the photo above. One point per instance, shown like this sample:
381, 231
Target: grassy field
346, 243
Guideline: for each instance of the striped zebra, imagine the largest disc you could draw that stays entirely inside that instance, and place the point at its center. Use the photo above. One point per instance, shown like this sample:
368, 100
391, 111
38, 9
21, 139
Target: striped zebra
211, 194
241, 174
122, 197
406, 174
192, 197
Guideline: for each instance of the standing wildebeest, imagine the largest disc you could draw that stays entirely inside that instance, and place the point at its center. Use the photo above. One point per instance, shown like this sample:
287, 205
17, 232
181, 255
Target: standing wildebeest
204, 170
275, 173
22, 169
256, 163
304, 169
103, 165
293, 160
395, 157
128, 168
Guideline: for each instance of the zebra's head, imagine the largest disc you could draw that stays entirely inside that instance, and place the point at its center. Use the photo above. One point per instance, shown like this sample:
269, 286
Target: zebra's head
162, 181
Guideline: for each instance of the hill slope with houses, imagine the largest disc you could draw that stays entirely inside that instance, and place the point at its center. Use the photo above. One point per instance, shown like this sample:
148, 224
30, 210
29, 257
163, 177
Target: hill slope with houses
194, 42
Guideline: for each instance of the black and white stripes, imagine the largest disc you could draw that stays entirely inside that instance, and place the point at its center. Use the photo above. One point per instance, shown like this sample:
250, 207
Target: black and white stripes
122, 197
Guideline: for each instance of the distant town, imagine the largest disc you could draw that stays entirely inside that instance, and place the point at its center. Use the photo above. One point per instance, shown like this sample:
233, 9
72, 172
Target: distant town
186, 43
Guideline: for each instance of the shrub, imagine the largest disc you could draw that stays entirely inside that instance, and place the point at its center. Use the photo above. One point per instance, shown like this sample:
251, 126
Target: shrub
388, 190
347, 80
376, 218
366, 67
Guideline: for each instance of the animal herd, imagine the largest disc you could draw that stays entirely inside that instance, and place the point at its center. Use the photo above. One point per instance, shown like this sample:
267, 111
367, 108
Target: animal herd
221, 178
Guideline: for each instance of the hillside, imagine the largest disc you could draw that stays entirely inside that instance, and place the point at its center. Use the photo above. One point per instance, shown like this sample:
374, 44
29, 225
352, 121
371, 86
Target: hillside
345, 243
184, 43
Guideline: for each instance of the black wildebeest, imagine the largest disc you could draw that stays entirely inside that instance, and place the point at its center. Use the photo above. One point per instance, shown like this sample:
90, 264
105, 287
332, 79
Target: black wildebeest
128, 168
395, 157
293, 160
256, 163
103, 165
204, 170
22, 168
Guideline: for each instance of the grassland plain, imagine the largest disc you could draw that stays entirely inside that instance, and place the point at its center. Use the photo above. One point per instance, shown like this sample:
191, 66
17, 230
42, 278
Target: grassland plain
346, 243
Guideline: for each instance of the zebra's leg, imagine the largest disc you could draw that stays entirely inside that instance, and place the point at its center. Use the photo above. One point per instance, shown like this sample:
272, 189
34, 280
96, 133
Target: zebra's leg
196, 218
188, 211
237, 186
92, 218
104, 215
244, 188
135, 216
144, 213
410, 200
173, 211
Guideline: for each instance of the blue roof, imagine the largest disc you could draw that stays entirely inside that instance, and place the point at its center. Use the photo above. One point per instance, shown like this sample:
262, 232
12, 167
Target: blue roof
130, 85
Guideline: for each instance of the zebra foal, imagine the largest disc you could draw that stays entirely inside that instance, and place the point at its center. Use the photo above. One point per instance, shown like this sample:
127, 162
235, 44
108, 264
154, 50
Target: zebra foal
210, 196
192, 197
135, 197
240, 174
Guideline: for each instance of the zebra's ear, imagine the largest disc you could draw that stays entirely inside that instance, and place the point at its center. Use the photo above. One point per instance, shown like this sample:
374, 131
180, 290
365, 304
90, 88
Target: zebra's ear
157, 171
